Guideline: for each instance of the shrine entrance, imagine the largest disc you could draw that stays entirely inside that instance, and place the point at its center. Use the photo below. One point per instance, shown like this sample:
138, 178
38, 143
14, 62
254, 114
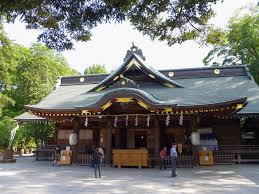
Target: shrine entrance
140, 139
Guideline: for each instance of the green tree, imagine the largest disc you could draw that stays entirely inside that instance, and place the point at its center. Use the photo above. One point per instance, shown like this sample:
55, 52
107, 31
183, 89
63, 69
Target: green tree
40, 133
238, 44
6, 125
65, 21
26, 76
9, 57
95, 69
36, 75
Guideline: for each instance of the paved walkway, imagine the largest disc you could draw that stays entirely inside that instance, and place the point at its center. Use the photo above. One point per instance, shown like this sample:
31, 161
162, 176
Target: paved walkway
31, 177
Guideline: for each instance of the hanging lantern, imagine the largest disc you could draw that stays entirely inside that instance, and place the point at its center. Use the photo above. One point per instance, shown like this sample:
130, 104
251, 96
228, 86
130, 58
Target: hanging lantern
127, 120
73, 137
115, 121
136, 120
181, 119
195, 138
167, 120
148, 120
86, 121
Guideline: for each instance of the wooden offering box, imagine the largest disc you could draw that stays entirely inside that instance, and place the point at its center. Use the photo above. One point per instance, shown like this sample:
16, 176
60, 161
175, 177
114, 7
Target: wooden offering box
65, 157
130, 157
206, 158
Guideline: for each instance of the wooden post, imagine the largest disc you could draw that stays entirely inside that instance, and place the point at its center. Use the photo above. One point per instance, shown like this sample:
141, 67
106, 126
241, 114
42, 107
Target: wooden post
108, 143
75, 148
157, 137
117, 138
193, 127
55, 135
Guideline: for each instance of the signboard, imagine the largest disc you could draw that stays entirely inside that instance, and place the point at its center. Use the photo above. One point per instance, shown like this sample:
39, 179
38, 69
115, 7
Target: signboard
86, 134
64, 134
205, 130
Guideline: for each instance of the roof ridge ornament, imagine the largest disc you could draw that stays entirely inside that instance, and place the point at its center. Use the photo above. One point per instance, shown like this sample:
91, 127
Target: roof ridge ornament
134, 50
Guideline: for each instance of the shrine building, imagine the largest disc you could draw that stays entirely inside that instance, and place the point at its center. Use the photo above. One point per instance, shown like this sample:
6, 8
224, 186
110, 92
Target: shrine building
140, 109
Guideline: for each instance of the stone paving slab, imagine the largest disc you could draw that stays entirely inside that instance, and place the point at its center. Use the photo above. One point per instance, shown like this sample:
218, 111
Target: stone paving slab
31, 177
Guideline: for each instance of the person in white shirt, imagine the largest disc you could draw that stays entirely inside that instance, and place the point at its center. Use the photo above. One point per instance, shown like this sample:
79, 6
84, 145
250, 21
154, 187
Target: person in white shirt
102, 152
174, 156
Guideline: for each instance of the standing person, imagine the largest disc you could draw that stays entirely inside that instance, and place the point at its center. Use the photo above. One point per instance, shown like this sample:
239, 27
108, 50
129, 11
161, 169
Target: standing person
174, 156
102, 152
91, 151
97, 161
57, 154
162, 158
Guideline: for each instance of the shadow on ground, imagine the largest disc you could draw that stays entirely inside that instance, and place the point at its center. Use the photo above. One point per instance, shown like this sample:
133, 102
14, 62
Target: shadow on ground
29, 176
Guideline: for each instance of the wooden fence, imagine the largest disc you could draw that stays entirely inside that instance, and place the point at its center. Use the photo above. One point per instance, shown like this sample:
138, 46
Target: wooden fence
84, 159
183, 161
241, 153
223, 158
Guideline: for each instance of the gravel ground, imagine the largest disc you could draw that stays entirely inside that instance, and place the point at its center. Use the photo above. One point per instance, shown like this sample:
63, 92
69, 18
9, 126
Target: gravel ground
29, 176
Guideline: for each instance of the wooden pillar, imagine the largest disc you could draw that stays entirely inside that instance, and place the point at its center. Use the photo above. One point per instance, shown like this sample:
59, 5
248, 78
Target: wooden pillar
117, 138
109, 142
130, 139
193, 127
55, 135
157, 137
75, 148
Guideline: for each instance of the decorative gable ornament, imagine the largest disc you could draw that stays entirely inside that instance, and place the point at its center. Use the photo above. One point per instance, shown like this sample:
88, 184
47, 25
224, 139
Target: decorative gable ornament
134, 60
134, 49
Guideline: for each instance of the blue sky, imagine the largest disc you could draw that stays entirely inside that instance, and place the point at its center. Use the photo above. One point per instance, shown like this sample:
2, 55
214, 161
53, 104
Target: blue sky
111, 41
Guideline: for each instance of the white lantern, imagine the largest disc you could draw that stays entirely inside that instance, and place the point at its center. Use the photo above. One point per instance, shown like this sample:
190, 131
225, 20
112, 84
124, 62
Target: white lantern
73, 137
195, 138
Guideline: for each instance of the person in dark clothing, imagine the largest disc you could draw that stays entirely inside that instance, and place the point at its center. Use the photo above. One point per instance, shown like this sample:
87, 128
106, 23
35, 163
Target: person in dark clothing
90, 152
97, 161
57, 155
162, 158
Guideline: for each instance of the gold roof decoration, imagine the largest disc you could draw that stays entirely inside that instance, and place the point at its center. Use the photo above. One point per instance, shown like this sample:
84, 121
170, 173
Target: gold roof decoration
142, 104
124, 100
239, 106
169, 85
167, 110
107, 105
100, 88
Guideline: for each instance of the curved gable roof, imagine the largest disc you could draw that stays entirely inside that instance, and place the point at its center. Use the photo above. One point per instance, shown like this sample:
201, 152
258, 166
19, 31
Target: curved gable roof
135, 62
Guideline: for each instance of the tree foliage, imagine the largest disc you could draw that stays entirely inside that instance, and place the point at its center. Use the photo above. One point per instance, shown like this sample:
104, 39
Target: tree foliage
65, 21
9, 57
95, 69
6, 125
39, 133
26, 76
37, 74
238, 44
